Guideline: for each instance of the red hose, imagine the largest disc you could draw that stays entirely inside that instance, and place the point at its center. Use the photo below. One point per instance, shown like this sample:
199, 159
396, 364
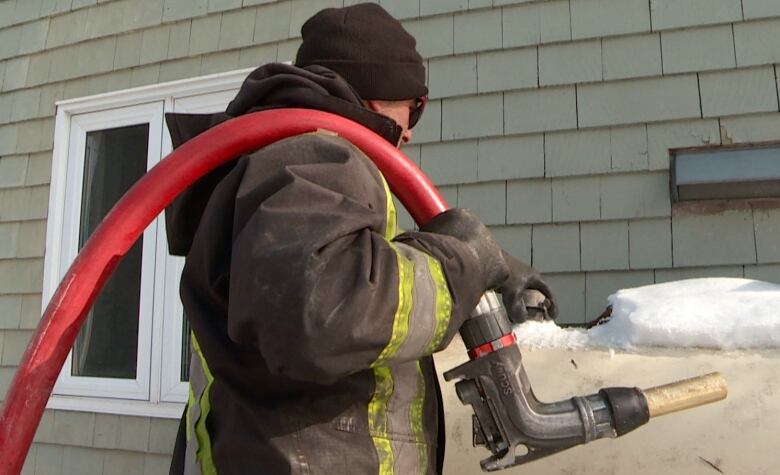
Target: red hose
60, 323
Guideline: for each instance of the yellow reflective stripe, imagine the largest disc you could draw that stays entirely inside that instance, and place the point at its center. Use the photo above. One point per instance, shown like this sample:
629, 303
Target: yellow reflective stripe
377, 408
384, 384
401, 318
377, 418
384, 450
201, 432
391, 229
416, 420
383, 378
443, 304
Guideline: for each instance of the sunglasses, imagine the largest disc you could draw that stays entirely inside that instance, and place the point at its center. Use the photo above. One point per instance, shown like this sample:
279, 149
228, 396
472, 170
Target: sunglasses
417, 111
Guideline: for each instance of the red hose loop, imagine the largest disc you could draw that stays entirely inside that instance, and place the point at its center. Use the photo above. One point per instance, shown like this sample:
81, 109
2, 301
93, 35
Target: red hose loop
124, 224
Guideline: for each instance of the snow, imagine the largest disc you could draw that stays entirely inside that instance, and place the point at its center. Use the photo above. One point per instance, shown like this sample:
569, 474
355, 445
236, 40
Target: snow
719, 313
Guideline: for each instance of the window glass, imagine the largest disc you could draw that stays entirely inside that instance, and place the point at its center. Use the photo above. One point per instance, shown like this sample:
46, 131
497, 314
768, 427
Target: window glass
186, 350
107, 345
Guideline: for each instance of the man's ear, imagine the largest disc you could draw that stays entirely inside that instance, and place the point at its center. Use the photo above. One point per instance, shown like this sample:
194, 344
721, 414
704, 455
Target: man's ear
372, 105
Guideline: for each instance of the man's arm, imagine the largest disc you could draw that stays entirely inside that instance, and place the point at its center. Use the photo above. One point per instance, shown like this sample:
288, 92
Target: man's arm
317, 283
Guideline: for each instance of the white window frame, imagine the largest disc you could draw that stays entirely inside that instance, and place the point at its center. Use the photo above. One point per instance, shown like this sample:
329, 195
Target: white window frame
171, 387
81, 125
157, 391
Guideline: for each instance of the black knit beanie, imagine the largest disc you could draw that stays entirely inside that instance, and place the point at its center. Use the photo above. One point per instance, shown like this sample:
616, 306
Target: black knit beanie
367, 47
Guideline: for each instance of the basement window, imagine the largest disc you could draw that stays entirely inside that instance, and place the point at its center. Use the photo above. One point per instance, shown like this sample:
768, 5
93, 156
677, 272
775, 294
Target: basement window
726, 173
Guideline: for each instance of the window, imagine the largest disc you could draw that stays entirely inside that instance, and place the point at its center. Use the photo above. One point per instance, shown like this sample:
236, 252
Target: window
726, 173
132, 353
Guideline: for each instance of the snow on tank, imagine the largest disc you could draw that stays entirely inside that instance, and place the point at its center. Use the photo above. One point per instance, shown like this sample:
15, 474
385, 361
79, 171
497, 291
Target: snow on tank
718, 313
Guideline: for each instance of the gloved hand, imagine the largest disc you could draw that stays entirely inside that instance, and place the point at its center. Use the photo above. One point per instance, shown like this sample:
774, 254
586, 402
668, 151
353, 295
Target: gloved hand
516, 296
465, 226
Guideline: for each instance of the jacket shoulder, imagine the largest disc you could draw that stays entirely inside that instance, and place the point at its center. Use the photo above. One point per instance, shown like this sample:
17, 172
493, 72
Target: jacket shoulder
317, 146
310, 150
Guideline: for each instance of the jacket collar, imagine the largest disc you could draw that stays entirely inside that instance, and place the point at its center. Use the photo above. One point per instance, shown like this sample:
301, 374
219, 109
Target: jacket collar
276, 86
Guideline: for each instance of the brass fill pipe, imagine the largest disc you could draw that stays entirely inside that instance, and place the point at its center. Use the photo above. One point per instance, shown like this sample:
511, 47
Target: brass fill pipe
685, 394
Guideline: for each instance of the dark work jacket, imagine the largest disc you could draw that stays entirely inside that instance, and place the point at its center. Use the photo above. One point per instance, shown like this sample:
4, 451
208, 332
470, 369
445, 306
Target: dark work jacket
313, 320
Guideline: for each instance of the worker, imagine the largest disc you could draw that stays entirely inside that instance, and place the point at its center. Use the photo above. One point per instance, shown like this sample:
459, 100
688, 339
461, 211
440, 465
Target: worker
313, 319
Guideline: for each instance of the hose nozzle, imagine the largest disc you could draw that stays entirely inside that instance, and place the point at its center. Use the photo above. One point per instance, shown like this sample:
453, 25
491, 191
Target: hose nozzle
517, 428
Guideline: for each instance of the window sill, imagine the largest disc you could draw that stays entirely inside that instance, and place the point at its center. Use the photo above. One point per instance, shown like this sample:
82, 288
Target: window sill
705, 207
124, 407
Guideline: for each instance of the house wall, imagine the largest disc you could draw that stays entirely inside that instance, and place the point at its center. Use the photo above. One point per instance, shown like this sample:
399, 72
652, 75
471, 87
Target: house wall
551, 119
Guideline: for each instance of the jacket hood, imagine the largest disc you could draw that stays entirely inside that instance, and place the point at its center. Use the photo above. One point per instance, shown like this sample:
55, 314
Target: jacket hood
272, 86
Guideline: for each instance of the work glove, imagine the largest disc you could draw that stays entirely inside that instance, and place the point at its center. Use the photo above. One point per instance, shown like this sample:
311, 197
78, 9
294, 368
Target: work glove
465, 226
518, 293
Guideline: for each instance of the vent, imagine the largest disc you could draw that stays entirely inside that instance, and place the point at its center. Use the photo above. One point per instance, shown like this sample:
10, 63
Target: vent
726, 173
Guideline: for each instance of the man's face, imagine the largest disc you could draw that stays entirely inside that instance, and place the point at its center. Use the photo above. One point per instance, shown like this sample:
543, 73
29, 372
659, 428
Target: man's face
399, 111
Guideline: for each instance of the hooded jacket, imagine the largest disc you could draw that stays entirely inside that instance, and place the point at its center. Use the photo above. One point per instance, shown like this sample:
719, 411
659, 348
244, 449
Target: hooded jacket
313, 320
